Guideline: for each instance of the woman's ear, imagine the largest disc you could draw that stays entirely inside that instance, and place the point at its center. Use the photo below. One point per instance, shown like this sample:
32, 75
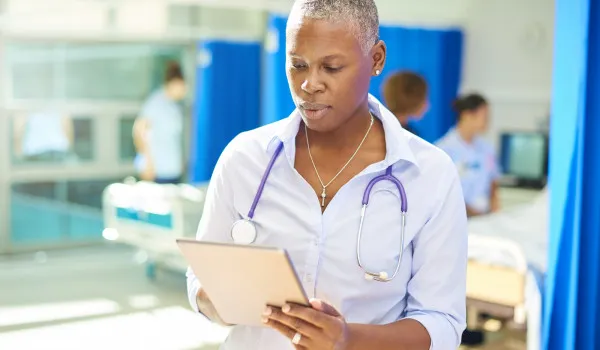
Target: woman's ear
378, 53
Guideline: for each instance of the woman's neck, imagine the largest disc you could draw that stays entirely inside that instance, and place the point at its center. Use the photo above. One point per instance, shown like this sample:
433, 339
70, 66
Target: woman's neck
403, 119
347, 135
465, 132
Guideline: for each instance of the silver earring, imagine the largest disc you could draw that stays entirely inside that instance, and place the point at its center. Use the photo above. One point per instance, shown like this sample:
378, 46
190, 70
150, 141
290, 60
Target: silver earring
377, 72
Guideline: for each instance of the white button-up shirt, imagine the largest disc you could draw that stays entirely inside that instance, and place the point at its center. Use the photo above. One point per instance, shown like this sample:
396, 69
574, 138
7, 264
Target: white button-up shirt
430, 286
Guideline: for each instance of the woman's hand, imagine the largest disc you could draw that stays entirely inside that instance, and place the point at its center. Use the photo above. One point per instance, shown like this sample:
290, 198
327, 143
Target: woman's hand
321, 327
207, 308
148, 174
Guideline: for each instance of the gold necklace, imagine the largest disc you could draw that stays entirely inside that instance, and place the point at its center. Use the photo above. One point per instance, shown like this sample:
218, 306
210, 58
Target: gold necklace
324, 186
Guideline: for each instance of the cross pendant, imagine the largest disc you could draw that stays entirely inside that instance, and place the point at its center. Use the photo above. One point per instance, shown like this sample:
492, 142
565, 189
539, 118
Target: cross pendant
323, 195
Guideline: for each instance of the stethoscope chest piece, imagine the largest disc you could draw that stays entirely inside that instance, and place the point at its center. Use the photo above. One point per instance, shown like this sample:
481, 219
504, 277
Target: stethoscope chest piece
243, 232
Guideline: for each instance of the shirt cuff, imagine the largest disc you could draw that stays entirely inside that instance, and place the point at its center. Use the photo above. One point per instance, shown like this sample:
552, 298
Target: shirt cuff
193, 295
442, 338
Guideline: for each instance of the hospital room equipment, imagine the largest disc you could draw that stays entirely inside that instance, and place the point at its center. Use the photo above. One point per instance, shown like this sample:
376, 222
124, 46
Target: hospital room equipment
524, 159
507, 264
243, 231
151, 216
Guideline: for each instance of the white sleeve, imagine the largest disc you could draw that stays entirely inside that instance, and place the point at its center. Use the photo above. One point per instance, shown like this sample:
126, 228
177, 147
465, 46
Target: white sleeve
218, 215
437, 289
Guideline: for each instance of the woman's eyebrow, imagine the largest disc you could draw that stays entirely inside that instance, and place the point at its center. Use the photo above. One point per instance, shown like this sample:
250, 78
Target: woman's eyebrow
328, 57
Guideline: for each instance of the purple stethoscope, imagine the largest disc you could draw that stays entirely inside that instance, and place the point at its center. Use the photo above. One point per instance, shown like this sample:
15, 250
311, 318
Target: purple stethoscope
243, 231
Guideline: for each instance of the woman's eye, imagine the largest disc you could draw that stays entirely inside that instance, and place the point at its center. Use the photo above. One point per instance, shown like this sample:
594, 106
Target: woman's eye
298, 66
333, 69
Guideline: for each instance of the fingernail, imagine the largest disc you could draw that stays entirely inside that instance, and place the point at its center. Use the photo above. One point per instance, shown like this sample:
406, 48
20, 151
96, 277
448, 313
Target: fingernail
265, 319
285, 308
267, 311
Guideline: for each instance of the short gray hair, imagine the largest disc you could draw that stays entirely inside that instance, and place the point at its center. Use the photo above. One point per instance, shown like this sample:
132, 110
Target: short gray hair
359, 15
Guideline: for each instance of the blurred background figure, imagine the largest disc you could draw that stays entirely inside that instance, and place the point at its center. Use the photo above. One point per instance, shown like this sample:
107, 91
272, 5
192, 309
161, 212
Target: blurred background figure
474, 156
42, 136
158, 131
405, 94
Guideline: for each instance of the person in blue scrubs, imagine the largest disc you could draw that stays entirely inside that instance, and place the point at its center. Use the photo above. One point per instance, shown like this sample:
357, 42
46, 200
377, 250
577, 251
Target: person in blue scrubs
474, 157
324, 155
405, 95
158, 131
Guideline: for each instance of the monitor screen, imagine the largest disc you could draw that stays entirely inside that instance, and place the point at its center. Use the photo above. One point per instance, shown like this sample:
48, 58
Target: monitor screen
524, 155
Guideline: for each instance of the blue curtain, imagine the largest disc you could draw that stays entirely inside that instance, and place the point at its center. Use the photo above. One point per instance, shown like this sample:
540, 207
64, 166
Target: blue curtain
227, 101
277, 101
571, 307
436, 55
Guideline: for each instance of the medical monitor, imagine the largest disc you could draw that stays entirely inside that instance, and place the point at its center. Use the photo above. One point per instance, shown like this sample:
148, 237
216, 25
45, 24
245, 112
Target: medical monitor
524, 159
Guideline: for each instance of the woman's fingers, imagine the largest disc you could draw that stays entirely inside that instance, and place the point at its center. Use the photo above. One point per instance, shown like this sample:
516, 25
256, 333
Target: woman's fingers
301, 342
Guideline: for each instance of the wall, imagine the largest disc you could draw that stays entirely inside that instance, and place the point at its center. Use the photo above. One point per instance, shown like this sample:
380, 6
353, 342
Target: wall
431, 13
508, 57
508, 48
146, 20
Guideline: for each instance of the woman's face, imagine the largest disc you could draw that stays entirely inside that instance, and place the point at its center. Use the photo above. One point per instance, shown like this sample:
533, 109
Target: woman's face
421, 110
328, 72
480, 119
176, 89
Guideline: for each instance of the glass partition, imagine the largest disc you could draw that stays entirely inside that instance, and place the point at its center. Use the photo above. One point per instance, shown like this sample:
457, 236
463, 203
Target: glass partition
45, 212
71, 108
127, 150
88, 71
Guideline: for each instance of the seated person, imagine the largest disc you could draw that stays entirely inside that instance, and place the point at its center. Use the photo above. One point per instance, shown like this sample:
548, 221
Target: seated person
44, 135
474, 157
405, 95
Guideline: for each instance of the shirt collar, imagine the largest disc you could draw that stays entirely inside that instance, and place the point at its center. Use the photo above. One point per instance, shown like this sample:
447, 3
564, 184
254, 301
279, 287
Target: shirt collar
459, 139
396, 138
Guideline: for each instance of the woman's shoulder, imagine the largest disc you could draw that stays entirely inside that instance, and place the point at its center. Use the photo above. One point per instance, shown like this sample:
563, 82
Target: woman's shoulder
447, 140
431, 158
251, 145
485, 146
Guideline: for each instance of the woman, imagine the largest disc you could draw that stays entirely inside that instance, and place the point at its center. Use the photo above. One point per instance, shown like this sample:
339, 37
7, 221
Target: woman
474, 157
157, 132
405, 95
332, 146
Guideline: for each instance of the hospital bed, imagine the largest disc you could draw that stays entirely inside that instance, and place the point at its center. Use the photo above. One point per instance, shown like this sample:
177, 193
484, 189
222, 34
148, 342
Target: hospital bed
150, 217
507, 264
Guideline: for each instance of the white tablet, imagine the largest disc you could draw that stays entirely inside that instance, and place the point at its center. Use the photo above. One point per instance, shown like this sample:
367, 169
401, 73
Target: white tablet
241, 280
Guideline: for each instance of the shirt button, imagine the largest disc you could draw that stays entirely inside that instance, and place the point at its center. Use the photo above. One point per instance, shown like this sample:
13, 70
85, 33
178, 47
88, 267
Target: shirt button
308, 278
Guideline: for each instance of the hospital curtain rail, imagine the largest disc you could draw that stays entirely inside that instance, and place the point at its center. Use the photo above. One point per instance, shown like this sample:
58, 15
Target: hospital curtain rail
434, 53
226, 101
571, 300
437, 55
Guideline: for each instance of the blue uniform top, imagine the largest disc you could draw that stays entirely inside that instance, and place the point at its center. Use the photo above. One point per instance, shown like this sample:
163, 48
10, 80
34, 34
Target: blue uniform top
477, 167
165, 137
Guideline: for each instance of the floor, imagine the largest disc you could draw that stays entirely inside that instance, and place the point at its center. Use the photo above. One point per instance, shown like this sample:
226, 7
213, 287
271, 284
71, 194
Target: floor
502, 340
100, 298
96, 298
